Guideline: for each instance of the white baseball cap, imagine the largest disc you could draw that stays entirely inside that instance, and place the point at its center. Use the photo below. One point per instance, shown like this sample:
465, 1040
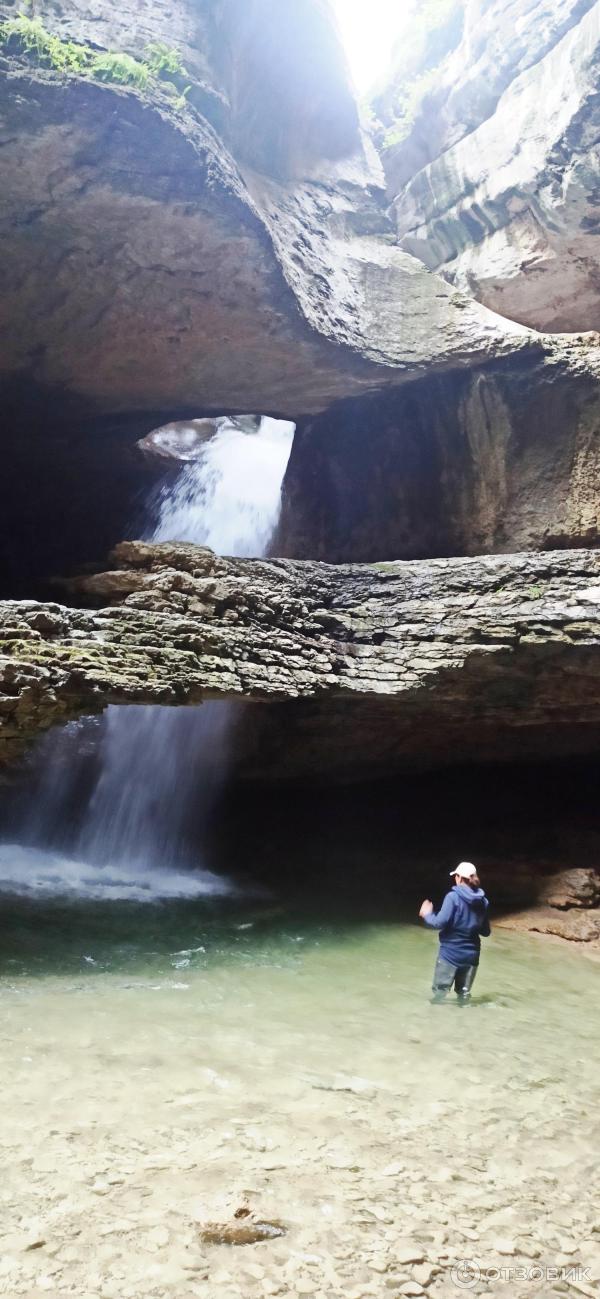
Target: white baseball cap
466, 869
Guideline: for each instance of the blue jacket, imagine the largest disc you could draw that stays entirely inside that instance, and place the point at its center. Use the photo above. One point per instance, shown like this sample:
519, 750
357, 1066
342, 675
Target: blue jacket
462, 918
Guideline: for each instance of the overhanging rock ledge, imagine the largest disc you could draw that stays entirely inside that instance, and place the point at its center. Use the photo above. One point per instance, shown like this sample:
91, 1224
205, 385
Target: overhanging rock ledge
376, 667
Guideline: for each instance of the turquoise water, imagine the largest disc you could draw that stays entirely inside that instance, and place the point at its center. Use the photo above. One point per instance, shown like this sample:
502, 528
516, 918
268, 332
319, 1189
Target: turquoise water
165, 1064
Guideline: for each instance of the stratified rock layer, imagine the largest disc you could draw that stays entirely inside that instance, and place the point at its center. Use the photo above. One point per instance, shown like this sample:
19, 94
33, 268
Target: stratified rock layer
496, 183
370, 668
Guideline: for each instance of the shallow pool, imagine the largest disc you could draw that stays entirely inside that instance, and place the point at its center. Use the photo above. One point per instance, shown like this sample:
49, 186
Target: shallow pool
165, 1066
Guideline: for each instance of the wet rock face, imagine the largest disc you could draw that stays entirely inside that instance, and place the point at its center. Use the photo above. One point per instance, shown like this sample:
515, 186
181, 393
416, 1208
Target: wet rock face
495, 184
291, 102
475, 463
370, 669
545, 898
214, 256
574, 926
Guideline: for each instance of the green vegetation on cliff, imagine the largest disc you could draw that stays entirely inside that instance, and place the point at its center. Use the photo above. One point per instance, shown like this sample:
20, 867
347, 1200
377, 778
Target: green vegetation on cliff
434, 31
30, 37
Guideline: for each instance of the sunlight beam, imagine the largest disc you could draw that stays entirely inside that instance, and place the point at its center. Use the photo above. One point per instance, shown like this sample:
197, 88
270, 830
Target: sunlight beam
369, 31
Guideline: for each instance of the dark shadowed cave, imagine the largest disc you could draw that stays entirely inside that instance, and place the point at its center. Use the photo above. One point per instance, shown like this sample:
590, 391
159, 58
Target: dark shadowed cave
375, 847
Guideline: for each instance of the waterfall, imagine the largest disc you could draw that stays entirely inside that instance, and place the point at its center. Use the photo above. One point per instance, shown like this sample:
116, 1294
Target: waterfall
229, 498
160, 769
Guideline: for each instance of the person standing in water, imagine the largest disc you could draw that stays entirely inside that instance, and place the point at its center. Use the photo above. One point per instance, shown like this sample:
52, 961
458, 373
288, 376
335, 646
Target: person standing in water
462, 921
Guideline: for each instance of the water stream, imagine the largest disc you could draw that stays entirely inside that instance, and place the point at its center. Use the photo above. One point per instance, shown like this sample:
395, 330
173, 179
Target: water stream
160, 769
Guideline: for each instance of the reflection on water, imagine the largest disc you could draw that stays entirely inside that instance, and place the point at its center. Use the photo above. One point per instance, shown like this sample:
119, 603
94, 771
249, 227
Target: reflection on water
180, 1060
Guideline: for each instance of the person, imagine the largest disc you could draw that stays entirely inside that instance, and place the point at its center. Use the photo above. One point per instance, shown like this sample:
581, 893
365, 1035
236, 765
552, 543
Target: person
462, 921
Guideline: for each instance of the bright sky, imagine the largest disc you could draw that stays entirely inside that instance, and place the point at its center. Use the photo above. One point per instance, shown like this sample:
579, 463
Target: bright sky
369, 29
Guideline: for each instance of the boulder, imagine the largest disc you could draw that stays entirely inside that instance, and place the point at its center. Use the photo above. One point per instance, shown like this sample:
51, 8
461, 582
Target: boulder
571, 888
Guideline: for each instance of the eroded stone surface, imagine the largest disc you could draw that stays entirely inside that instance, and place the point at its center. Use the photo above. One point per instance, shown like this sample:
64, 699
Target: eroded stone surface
501, 459
573, 925
369, 667
164, 262
496, 183
190, 260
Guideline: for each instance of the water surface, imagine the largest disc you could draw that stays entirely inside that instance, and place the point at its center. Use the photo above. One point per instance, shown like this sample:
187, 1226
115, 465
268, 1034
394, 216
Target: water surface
167, 1064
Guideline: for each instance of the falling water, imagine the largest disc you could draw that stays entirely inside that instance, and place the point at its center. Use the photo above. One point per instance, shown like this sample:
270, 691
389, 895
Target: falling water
161, 769
229, 498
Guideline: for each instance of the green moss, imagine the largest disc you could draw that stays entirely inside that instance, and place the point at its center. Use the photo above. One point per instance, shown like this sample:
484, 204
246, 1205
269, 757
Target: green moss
30, 37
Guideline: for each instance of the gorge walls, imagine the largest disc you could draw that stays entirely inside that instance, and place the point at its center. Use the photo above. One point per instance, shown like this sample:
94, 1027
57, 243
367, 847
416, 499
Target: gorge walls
491, 128
152, 264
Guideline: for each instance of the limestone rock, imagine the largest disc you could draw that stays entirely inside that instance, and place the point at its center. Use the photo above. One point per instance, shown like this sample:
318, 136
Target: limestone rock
495, 182
249, 1232
220, 256
369, 669
166, 261
572, 888
576, 926
497, 459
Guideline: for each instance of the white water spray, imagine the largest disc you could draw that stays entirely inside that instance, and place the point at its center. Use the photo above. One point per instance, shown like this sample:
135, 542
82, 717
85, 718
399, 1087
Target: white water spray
229, 497
161, 769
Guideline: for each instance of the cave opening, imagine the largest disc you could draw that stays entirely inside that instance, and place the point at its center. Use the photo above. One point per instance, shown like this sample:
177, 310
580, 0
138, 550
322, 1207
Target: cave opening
473, 462
73, 488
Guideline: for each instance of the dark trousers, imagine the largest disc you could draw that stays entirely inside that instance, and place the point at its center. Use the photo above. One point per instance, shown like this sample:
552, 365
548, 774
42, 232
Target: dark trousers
446, 975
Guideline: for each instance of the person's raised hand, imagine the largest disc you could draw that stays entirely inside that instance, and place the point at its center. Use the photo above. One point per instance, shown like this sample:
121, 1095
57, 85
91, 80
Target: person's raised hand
426, 908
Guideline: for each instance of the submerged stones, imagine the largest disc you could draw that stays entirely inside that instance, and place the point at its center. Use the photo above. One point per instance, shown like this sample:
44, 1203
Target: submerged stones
174, 1171
245, 1229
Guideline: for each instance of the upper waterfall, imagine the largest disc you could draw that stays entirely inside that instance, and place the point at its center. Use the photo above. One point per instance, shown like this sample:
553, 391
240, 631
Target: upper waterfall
228, 498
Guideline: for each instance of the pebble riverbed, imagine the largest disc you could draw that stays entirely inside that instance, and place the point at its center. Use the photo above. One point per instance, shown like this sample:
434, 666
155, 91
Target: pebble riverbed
296, 1071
